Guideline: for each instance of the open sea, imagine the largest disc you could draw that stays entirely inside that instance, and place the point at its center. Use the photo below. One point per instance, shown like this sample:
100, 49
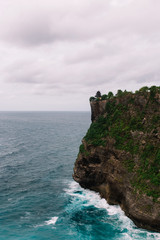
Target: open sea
38, 197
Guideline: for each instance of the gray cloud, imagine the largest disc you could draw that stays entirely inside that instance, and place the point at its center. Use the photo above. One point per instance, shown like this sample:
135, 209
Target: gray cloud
37, 23
72, 48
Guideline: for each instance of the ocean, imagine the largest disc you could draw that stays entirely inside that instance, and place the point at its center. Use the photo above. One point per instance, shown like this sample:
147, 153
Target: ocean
38, 197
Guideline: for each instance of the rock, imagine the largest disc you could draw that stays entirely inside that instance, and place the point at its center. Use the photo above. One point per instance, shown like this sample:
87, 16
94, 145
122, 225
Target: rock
97, 109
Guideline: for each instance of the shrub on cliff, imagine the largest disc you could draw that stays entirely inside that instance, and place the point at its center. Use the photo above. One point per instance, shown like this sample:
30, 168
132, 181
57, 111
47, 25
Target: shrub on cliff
96, 132
104, 97
119, 93
110, 95
144, 89
92, 99
153, 91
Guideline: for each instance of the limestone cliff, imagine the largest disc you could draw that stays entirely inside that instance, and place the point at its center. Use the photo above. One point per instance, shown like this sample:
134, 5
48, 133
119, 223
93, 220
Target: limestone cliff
120, 155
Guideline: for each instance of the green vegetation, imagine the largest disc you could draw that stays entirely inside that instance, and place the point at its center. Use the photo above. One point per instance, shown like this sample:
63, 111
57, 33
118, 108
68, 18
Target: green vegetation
97, 132
144, 89
155, 119
132, 123
104, 97
153, 91
110, 95
120, 93
92, 99
82, 150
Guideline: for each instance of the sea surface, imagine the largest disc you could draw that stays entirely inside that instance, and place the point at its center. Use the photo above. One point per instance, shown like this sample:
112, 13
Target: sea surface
38, 197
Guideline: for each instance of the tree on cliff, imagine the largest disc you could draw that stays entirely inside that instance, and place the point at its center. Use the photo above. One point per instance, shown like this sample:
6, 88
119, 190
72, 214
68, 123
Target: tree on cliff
119, 93
98, 94
110, 95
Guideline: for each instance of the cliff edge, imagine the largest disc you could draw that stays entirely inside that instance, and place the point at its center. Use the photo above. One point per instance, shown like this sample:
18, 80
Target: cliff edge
120, 155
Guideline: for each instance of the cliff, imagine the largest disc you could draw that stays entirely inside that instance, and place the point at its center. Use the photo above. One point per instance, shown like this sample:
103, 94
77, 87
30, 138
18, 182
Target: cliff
120, 154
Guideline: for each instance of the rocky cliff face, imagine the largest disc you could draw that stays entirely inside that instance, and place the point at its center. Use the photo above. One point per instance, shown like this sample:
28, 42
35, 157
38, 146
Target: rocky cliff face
97, 109
120, 155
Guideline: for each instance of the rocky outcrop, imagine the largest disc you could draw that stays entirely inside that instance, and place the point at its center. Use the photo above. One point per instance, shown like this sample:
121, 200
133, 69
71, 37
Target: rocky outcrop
97, 109
115, 171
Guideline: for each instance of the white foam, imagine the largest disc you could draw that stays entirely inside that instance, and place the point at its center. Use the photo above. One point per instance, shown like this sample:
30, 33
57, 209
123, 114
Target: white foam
52, 221
89, 198
92, 198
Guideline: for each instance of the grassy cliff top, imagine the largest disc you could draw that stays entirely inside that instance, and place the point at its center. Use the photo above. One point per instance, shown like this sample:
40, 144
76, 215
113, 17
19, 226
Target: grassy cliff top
121, 93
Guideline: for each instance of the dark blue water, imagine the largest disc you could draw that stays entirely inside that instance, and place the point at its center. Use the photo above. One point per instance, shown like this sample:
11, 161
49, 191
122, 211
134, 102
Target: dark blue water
38, 198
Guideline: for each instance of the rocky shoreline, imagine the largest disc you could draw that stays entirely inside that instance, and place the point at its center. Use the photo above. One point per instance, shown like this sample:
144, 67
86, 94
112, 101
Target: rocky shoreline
105, 168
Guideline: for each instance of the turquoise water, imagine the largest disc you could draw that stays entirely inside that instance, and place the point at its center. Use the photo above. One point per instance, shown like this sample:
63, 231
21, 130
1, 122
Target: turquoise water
38, 198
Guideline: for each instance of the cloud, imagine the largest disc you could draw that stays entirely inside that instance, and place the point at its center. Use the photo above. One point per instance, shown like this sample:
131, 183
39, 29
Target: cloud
72, 48
35, 23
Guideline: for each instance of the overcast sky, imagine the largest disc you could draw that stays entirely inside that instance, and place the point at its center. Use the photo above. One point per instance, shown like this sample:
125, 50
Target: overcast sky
56, 54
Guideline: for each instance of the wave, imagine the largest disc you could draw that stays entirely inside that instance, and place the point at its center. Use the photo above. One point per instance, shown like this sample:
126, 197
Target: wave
52, 221
115, 216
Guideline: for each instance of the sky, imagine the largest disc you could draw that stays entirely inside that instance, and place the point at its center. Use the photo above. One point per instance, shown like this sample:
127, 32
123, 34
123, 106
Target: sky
56, 54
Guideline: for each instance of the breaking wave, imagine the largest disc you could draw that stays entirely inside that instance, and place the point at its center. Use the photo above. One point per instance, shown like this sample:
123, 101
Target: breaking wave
113, 216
